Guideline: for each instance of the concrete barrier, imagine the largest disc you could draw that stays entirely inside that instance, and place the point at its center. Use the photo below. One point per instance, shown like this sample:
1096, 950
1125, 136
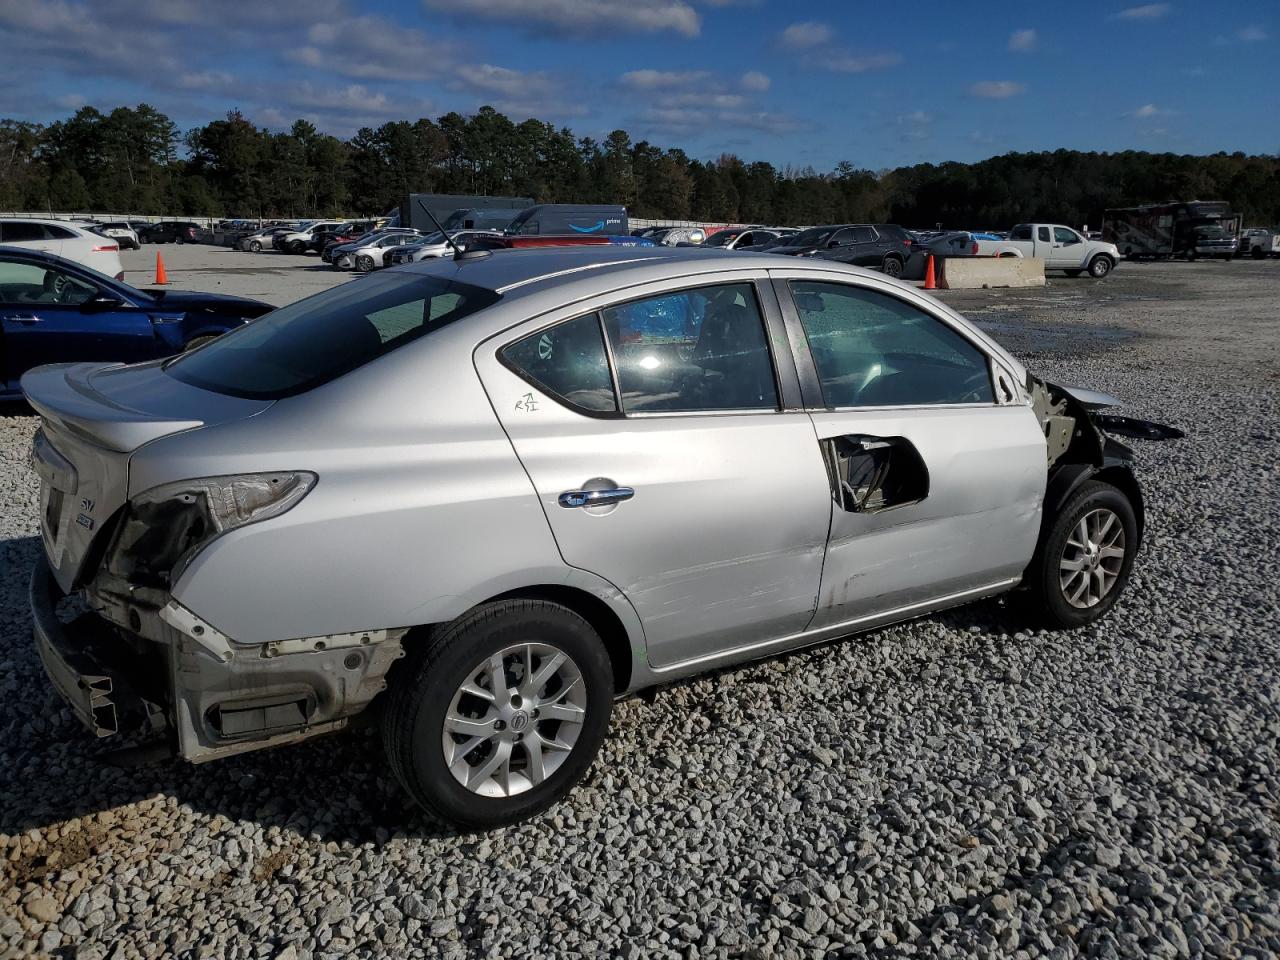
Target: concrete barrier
969, 273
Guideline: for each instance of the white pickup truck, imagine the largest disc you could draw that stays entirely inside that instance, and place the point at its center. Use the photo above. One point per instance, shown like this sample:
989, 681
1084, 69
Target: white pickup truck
1258, 242
1060, 247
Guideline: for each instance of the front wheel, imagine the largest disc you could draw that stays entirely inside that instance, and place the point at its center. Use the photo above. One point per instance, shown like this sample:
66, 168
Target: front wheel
255, 246
1099, 267
892, 267
500, 713
1083, 562
364, 263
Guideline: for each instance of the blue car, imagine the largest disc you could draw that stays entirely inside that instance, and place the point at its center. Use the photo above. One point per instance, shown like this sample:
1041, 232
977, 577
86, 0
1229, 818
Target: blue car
56, 311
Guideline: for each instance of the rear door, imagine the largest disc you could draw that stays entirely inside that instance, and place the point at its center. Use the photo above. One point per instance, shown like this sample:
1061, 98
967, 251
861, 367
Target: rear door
866, 248
937, 484
671, 457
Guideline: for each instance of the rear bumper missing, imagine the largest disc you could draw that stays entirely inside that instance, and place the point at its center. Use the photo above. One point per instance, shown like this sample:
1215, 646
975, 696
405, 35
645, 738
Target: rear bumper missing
153, 669
98, 679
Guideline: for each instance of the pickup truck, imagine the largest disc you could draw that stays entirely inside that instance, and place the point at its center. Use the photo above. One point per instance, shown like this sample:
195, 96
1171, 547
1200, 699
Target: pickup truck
1258, 242
1060, 247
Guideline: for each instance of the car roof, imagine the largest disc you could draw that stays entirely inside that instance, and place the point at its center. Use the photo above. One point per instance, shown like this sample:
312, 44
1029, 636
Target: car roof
521, 271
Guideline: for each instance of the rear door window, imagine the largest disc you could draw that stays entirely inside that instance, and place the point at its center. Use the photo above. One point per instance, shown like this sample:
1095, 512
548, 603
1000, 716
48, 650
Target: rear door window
15, 231
311, 342
696, 350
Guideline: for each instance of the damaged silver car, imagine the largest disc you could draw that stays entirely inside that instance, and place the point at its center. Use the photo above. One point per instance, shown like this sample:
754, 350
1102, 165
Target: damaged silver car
490, 494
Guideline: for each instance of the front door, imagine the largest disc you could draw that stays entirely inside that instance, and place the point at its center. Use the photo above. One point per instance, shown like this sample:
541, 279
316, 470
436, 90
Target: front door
938, 488
666, 460
47, 316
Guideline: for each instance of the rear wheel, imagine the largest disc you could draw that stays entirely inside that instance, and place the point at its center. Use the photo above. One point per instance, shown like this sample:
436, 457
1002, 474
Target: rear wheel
1099, 267
892, 266
1083, 563
500, 713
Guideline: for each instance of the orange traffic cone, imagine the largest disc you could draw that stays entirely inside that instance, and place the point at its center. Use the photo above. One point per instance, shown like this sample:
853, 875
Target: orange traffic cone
162, 278
930, 283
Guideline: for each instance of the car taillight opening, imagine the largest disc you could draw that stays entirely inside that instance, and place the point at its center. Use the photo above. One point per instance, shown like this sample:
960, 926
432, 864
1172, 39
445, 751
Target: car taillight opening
107, 248
165, 527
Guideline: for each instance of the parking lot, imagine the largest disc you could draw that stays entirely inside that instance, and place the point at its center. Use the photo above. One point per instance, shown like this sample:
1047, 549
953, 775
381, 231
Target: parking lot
951, 787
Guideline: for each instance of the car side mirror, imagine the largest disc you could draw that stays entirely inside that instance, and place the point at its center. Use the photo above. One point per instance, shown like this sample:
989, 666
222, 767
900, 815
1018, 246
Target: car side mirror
101, 303
832, 243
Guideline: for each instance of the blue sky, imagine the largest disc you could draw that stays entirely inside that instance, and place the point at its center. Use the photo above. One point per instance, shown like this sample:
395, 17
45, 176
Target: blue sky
876, 84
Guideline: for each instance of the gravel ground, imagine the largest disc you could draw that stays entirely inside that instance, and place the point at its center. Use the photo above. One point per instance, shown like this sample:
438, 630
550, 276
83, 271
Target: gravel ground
953, 787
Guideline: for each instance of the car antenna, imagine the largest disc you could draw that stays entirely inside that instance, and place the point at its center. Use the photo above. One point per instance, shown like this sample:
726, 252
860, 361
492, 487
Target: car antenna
458, 252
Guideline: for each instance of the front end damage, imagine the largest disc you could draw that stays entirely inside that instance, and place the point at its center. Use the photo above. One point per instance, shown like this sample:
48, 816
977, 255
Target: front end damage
1081, 444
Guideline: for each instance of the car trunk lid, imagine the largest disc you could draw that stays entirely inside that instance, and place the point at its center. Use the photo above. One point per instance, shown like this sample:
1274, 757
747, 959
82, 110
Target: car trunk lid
94, 416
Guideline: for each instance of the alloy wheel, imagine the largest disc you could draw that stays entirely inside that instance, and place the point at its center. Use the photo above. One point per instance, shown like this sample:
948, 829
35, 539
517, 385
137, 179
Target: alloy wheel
514, 720
1092, 559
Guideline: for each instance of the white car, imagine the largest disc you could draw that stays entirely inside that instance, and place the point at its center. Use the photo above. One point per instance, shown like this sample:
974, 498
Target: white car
1061, 248
120, 231
64, 239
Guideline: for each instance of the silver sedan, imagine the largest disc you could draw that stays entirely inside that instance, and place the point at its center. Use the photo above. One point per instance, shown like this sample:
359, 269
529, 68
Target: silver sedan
496, 491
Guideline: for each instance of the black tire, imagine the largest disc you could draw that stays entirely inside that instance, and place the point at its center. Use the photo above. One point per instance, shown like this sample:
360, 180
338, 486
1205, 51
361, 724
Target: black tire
364, 263
255, 246
1073, 273
1046, 597
423, 689
892, 266
297, 248
1100, 266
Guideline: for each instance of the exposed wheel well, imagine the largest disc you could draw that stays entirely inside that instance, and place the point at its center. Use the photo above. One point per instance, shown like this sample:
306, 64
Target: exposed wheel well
597, 613
1124, 480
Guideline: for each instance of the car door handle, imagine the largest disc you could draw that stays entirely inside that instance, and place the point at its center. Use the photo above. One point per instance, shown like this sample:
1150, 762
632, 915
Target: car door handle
595, 498
25, 319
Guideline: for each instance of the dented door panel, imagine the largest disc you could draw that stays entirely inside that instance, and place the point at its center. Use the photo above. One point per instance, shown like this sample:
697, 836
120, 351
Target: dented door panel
976, 526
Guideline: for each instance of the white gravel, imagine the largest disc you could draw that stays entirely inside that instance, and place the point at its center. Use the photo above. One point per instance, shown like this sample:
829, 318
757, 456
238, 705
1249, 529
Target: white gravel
953, 787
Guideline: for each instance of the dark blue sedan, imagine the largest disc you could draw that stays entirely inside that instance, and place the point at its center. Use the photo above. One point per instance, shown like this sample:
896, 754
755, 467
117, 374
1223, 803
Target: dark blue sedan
56, 311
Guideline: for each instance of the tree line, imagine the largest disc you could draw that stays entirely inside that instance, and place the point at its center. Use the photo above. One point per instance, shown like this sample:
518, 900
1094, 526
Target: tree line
136, 160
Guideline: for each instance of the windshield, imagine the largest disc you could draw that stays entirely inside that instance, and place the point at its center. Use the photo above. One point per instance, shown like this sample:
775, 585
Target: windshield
311, 342
809, 238
721, 239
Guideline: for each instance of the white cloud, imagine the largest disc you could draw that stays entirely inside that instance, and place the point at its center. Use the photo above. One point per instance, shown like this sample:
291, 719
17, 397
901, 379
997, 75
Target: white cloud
487, 79
662, 79
842, 62
371, 47
1022, 41
1148, 11
1252, 33
580, 16
755, 80
806, 34
997, 89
